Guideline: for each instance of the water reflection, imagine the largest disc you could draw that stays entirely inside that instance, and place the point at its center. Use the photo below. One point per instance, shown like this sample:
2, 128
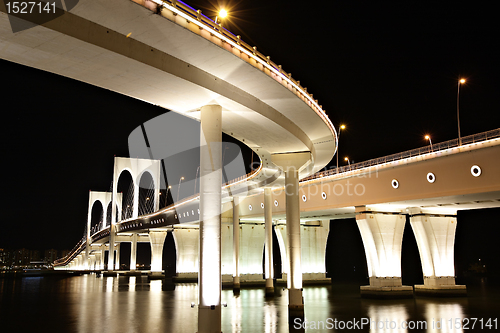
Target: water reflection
384, 318
134, 304
444, 316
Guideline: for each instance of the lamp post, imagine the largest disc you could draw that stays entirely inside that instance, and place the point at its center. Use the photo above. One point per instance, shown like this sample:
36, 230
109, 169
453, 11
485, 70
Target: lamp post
427, 137
222, 14
338, 140
166, 194
348, 162
196, 178
461, 81
178, 188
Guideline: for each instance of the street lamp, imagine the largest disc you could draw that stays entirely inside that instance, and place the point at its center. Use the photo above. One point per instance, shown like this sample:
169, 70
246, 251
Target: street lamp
427, 137
222, 14
461, 81
347, 160
178, 188
338, 139
166, 194
196, 178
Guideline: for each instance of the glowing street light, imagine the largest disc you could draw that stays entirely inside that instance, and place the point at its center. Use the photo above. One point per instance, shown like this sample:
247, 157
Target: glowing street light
347, 160
178, 188
338, 139
166, 194
461, 81
221, 15
427, 137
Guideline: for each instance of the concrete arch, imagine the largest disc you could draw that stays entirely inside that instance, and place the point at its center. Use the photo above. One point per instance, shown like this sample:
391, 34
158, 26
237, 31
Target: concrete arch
156, 187
91, 209
103, 198
137, 167
134, 184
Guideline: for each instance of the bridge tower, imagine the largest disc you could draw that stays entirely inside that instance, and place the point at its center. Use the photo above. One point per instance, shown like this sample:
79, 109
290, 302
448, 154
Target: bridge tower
136, 167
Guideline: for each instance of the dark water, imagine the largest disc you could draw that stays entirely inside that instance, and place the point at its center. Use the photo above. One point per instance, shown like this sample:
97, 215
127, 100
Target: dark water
132, 304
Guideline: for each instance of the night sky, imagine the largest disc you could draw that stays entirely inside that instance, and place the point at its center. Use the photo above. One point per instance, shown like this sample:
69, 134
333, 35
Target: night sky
387, 70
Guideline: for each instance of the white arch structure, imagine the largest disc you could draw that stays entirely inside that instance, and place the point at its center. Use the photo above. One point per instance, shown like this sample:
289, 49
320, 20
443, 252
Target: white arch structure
104, 198
136, 167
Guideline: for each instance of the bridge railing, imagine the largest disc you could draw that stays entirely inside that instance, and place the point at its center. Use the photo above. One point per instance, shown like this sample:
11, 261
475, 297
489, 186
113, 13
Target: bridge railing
409, 153
65, 260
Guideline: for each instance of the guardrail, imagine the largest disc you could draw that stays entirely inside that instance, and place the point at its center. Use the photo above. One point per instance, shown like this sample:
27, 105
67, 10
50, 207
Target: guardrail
409, 153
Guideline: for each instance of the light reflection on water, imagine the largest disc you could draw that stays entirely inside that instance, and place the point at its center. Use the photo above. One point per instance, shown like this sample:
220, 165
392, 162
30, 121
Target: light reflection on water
133, 304
387, 318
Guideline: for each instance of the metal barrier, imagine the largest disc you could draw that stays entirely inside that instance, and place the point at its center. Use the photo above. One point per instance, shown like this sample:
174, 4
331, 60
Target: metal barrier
409, 153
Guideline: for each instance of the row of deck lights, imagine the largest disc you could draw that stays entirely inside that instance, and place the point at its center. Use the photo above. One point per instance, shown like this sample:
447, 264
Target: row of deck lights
253, 53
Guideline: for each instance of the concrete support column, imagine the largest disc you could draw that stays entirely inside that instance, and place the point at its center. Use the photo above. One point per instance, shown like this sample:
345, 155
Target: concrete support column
111, 250
98, 260
209, 277
435, 236
117, 261
236, 244
133, 253
291, 164
156, 240
268, 256
111, 256
87, 254
92, 259
295, 299
382, 236
103, 252
186, 245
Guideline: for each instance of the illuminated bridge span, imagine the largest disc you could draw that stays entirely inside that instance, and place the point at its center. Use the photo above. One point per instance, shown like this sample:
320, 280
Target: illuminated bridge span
170, 55
428, 184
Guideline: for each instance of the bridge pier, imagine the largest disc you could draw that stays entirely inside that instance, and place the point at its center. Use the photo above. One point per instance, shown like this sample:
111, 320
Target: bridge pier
111, 252
435, 235
98, 260
313, 248
92, 260
268, 255
209, 277
103, 253
156, 240
236, 244
382, 236
133, 253
186, 245
291, 163
295, 299
86, 265
117, 259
